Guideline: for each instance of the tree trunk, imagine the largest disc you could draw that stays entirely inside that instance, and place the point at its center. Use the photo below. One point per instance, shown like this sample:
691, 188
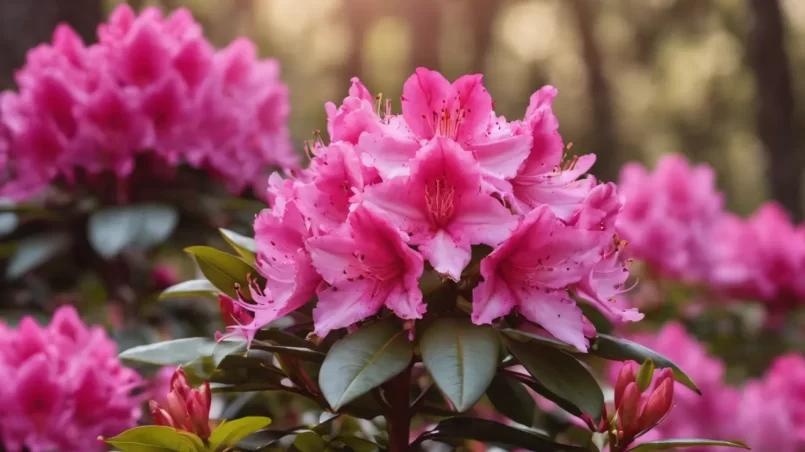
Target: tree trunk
775, 104
482, 16
26, 23
604, 142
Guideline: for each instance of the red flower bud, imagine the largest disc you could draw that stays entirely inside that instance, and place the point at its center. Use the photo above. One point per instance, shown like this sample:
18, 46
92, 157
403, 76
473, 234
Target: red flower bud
629, 410
627, 375
186, 409
660, 401
233, 313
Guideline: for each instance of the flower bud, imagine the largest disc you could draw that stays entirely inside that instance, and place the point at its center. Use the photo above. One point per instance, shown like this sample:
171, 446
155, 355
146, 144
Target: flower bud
233, 313
626, 376
185, 408
660, 401
629, 410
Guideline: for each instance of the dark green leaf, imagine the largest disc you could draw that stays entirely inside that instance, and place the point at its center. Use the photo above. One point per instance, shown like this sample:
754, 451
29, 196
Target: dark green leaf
567, 381
223, 270
461, 357
617, 349
229, 433
525, 336
299, 352
112, 230
153, 438
226, 348
282, 338
245, 246
494, 432
364, 360
170, 353
8, 223
666, 444
34, 251
357, 444
512, 400
192, 288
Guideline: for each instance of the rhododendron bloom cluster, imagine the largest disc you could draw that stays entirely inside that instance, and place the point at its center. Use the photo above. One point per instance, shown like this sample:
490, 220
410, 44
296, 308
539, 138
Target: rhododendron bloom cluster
669, 216
63, 386
395, 196
152, 92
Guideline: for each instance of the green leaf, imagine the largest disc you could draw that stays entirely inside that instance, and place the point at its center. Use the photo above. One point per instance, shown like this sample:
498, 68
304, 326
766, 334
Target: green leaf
666, 444
227, 347
309, 442
357, 444
112, 230
229, 433
282, 338
8, 223
223, 270
525, 336
567, 381
34, 251
461, 357
493, 432
512, 400
170, 353
644, 374
154, 438
617, 349
192, 288
245, 246
300, 352
364, 360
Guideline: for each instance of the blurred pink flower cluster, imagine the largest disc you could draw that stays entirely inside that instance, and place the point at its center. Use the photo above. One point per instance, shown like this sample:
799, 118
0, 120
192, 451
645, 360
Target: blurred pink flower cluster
674, 220
767, 412
394, 195
153, 93
63, 386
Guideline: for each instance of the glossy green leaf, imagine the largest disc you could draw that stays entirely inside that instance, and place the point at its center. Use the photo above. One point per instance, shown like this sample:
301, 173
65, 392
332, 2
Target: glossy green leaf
283, 338
115, 229
357, 444
230, 432
170, 353
309, 442
461, 357
666, 444
227, 347
299, 352
617, 349
512, 400
34, 251
223, 270
567, 381
192, 288
486, 431
525, 336
245, 246
364, 360
154, 438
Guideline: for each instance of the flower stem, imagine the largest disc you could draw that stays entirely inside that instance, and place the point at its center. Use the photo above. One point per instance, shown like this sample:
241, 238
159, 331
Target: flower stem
398, 416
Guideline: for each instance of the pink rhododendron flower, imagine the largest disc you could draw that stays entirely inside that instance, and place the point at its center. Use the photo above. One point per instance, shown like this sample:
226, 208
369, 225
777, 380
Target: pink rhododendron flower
784, 386
152, 86
669, 216
441, 206
367, 264
63, 386
392, 198
532, 270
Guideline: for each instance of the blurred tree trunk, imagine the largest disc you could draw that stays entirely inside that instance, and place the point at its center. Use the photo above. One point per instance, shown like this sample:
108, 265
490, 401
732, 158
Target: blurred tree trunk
603, 142
482, 17
26, 23
359, 16
425, 17
775, 104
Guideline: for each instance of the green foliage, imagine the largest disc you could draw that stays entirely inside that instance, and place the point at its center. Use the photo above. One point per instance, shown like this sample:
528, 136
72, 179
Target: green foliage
364, 360
461, 357
153, 438
192, 288
644, 375
230, 433
512, 400
245, 246
223, 270
115, 229
684, 443
34, 251
170, 353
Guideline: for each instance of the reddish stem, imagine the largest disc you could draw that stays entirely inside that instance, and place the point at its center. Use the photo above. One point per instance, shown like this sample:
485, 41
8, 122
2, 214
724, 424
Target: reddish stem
398, 416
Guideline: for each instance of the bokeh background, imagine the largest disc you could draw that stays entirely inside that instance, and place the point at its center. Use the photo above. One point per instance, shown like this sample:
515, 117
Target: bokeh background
722, 81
